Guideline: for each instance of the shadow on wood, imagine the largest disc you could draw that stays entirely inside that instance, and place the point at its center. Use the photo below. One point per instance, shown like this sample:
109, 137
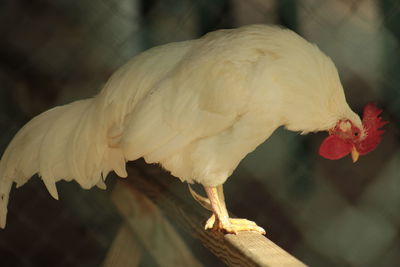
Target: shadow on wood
171, 197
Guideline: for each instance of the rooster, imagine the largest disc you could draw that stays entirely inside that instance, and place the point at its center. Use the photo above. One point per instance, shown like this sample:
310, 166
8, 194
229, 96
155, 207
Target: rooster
197, 108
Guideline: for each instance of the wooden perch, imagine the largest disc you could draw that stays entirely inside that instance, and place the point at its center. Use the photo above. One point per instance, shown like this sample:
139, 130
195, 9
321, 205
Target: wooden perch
172, 197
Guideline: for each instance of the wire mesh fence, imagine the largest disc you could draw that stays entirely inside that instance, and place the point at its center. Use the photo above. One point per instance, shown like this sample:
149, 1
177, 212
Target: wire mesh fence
327, 213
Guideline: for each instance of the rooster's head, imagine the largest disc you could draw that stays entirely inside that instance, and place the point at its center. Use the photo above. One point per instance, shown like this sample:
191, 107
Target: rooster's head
346, 138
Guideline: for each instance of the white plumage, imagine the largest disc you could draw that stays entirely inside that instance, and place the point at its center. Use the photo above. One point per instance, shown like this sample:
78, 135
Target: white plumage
196, 107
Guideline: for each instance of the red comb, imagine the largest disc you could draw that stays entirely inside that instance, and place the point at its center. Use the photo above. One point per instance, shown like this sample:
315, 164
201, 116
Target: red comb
372, 124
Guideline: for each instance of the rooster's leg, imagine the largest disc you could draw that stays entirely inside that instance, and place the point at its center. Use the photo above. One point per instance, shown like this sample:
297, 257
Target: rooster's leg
220, 218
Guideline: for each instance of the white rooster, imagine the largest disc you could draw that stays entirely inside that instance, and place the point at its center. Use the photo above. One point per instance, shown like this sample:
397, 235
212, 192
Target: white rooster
197, 108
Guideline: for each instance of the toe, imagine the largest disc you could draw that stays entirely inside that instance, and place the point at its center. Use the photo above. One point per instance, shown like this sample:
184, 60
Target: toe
210, 222
241, 225
241, 221
233, 225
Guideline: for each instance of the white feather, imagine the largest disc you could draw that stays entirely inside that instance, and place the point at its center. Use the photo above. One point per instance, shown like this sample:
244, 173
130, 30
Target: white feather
196, 107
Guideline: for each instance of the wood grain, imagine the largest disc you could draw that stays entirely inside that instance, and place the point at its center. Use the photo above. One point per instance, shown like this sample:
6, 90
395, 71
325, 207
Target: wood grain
173, 198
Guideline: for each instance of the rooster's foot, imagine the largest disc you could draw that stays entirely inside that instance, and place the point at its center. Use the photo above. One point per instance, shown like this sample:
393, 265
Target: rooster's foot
233, 225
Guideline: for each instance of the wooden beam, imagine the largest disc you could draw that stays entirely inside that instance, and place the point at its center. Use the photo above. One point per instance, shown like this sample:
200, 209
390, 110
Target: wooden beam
173, 198
124, 251
151, 229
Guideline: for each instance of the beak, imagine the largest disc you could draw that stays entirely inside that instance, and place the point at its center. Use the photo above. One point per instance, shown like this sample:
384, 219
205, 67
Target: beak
354, 154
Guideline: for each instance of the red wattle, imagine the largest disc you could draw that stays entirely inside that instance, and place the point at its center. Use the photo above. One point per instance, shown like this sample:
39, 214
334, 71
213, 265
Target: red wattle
334, 147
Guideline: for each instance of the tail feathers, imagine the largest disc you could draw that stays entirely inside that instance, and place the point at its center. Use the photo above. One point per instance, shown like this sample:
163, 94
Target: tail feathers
101, 185
66, 142
5, 187
21, 159
116, 161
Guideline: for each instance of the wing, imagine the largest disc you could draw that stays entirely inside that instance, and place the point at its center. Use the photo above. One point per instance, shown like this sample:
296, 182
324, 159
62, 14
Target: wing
202, 95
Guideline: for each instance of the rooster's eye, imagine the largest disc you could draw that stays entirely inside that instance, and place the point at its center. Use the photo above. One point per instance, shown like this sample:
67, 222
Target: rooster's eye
356, 134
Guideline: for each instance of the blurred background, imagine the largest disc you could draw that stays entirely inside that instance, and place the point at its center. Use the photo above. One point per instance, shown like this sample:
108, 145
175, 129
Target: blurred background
326, 213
